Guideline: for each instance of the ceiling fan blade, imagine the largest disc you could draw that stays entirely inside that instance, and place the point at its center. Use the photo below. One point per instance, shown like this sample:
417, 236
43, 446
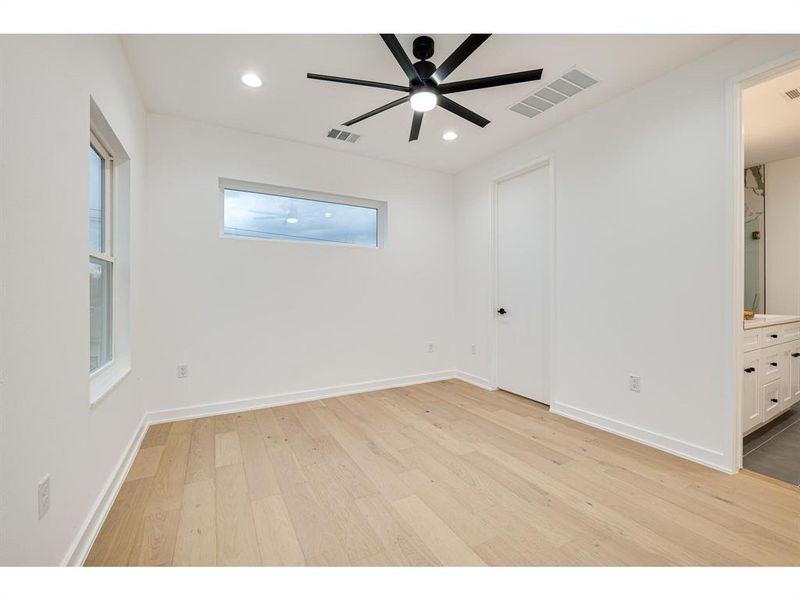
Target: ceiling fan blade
459, 55
416, 123
377, 84
463, 112
400, 56
493, 81
380, 109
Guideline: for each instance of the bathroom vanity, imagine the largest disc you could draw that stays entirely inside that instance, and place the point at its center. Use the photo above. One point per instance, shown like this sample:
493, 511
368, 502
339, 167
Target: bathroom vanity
771, 377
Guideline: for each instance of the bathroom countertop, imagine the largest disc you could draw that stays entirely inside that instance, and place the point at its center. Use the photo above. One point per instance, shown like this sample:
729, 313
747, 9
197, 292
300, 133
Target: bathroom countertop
767, 320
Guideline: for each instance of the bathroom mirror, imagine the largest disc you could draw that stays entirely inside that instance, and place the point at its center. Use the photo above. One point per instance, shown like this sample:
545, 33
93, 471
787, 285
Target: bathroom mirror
772, 237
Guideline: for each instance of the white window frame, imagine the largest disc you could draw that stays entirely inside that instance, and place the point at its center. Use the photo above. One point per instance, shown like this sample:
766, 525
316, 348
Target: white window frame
381, 207
108, 239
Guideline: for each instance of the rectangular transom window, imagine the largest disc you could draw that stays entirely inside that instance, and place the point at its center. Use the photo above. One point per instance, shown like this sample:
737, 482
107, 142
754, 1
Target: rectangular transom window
269, 212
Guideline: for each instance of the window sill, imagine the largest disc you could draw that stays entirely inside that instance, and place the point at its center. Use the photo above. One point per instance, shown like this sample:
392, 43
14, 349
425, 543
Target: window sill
103, 383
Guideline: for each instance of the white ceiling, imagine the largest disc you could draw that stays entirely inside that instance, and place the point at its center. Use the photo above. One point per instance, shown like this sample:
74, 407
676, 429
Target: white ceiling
771, 121
197, 77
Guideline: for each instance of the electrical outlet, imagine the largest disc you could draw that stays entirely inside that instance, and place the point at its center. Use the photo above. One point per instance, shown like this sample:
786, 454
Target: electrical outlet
635, 383
183, 371
430, 346
43, 494
474, 349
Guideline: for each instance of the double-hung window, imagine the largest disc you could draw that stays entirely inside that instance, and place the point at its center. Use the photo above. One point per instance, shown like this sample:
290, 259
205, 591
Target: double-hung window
101, 256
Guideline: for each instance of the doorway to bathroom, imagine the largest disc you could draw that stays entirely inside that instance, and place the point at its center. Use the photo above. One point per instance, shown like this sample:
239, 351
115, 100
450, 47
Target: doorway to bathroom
768, 165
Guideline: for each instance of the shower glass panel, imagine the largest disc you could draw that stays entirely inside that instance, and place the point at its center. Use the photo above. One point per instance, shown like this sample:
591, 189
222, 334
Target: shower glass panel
754, 255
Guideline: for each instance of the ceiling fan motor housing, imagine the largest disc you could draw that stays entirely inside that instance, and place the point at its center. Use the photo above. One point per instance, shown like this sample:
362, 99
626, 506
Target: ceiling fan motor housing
423, 47
425, 70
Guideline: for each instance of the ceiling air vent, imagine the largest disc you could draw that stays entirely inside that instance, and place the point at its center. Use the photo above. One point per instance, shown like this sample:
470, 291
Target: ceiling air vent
344, 136
792, 94
565, 87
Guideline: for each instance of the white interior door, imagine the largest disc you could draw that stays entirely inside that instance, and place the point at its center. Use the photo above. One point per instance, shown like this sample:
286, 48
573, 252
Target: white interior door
524, 255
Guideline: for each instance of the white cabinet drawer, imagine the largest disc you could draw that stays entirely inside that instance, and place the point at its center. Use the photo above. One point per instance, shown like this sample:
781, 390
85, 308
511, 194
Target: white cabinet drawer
751, 339
790, 332
772, 367
771, 335
777, 334
771, 398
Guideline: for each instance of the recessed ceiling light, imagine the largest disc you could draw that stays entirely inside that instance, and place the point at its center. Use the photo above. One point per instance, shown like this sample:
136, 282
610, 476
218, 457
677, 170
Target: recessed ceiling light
292, 220
251, 80
328, 215
423, 101
449, 136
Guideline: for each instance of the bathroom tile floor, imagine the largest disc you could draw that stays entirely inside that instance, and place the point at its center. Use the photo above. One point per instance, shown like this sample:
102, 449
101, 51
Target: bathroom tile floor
774, 450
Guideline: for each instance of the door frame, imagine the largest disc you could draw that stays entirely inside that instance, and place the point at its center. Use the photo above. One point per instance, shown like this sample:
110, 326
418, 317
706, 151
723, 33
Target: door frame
734, 189
542, 162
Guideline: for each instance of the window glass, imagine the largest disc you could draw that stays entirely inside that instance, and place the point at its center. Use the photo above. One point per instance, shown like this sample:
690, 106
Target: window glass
97, 240
251, 214
100, 290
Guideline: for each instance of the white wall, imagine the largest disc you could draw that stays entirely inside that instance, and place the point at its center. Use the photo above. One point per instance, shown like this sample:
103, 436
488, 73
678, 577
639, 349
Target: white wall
782, 235
47, 423
645, 238
256, 318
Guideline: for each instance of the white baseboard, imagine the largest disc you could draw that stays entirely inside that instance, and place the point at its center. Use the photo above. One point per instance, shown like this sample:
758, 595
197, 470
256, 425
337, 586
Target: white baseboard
481, 382
699, 454
232, 406
80, 547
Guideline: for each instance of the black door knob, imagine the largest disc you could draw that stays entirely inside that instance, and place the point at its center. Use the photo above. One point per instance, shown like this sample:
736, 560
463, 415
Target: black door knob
502, 311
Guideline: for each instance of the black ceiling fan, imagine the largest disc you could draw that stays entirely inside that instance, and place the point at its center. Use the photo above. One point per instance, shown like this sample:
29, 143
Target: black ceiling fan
426, 88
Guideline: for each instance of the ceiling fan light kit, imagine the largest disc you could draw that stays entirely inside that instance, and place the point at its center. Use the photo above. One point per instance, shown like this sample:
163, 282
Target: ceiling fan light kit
426, 88
423, 100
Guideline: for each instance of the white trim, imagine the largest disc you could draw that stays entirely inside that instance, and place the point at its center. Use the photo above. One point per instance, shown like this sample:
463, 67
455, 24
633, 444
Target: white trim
733, 189
232, 406
699, 454
548, 162
481, 382
79, 550
104, 380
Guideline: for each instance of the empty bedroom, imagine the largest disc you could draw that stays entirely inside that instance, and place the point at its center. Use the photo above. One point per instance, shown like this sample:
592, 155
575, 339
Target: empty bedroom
361, 302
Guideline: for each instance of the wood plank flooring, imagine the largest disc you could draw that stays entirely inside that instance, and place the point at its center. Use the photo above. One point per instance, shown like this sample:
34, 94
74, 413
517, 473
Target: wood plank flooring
436, 474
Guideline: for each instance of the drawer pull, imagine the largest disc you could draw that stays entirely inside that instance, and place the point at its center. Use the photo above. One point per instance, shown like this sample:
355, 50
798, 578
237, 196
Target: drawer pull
750, 370
795, 354
774, 364
773, 335
775, 400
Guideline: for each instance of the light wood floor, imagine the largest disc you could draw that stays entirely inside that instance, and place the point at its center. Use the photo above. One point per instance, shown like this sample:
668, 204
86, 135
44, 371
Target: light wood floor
436, 474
